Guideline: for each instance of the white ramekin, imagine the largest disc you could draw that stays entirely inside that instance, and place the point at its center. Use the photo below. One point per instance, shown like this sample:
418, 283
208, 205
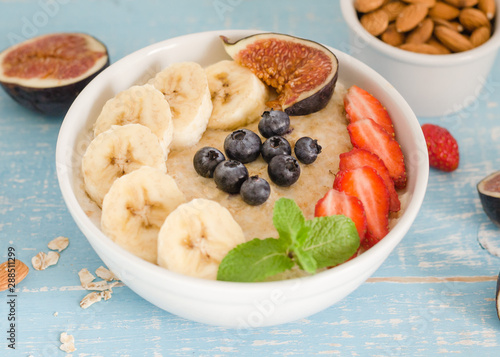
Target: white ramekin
433, 85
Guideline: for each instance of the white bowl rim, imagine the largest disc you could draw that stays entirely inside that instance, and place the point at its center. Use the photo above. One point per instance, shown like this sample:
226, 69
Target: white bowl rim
452, 59
157, 273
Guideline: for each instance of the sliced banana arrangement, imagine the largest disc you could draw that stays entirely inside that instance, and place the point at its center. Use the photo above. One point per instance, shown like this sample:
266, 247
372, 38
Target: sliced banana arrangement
116, 152
185, 88
239, 97
125, 166
135, 208
196, 236
144, 105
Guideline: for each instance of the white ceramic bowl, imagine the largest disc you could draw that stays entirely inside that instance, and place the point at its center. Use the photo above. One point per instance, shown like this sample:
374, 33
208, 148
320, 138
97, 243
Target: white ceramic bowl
433, 85
239, 305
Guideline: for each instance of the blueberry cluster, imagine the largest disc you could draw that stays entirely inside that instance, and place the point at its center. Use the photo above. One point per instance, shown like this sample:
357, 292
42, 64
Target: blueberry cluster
243, 146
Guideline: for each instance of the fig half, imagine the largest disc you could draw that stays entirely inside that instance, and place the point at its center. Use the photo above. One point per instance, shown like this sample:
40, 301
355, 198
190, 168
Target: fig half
489, 193
303, 72
46, 73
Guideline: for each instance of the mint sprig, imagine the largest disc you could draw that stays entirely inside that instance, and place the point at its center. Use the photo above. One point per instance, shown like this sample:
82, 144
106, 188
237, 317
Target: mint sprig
311, 244
255, 260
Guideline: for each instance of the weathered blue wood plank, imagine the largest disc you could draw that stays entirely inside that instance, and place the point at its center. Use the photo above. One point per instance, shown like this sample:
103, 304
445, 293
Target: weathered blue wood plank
412, 307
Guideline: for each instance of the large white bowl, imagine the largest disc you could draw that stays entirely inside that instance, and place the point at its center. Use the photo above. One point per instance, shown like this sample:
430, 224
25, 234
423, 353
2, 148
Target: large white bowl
433, 85
240, 305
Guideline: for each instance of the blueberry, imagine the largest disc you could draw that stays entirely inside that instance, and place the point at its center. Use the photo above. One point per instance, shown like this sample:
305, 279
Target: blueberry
255, 191
275, 145
229, 176
242, 145
283, 170
307, 150
274, 122
206, 159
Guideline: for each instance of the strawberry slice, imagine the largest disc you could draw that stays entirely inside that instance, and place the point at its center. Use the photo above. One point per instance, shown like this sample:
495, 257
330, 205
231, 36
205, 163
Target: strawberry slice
359, 158
368, 135
359, 104
336, 202
367, 185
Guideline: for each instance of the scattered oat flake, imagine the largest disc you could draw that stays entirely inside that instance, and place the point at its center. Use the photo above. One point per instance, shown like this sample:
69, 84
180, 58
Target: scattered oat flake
100, 285
106, 294
55, 314
89, 299
93, 297
59, 243
105, 274
68, 343
85, 277
41, 261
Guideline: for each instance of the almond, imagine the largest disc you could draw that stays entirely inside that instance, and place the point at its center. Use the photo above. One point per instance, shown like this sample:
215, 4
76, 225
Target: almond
480, 36
462, 3
19, 270
488, 7
410, 17
439, 46
452, 39
393, 37
422, 33
444, 11
428, 3
393, 9
365, 6
420, 48
453, 25
375, 22
472, 18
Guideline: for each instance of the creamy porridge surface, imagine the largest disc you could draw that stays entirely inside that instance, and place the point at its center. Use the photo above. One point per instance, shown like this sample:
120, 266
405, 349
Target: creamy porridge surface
328, 126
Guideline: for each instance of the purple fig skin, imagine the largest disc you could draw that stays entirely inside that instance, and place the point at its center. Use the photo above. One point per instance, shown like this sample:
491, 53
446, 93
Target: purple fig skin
315, 102
497, 297
50, 101
490, 203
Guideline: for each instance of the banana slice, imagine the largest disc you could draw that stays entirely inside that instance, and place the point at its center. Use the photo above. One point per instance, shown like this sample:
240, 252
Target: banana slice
135, 208
185, 87
144, 105
238, 96
196, 236
116, 152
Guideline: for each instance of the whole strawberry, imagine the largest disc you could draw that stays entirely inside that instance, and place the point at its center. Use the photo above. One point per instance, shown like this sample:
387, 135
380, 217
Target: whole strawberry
442, 147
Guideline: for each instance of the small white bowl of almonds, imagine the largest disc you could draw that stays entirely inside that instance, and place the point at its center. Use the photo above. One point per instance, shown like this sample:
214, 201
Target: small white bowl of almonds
437, 54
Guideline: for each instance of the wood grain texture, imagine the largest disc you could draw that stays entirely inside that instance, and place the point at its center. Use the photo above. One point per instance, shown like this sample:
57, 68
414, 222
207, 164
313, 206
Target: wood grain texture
434, 295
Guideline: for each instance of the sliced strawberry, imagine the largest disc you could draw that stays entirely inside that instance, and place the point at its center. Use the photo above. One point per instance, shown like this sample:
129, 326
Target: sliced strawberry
367, 185
361, 157
368, 135
336, 202
359, 104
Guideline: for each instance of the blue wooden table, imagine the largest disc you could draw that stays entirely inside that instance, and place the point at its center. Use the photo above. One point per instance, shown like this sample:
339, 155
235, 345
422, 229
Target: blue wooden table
433, 296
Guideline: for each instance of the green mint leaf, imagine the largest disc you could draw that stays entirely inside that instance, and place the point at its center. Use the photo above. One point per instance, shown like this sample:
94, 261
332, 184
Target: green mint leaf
304, 259
287, 219
255, 260
331, 240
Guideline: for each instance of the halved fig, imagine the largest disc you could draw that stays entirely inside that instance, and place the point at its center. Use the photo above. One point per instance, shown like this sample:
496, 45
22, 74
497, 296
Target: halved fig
489, 193
46, 73
303, 72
